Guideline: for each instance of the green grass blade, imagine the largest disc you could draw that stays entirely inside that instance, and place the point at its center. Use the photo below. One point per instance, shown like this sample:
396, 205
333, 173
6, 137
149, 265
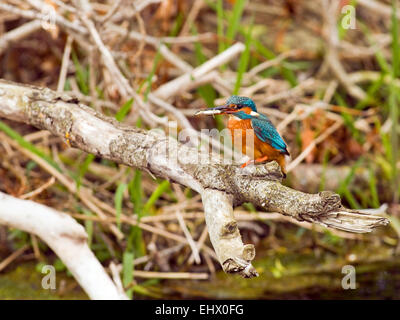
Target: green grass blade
82, 75
177, 25
127, 271
220, 25
372, 92
118, 197
351, 200
135, 241
324, 167
83, 169
162, 187
380, 58
394, 115
395, 42
243, 61
124, 110
343, 189
149, 78
286, 73
394, 98
234, 21
135, 192
27, 145
373, 189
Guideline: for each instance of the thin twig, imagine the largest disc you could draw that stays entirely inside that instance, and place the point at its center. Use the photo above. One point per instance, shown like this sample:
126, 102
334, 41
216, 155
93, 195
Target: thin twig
17, 34
189, 238
12, 257
64, 64
38, 190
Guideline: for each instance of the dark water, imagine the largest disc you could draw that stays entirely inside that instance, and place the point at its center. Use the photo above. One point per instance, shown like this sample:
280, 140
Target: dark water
285, 276
379, 284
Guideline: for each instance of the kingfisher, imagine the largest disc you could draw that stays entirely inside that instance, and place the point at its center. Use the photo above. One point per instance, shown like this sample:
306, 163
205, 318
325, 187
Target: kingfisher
245, 122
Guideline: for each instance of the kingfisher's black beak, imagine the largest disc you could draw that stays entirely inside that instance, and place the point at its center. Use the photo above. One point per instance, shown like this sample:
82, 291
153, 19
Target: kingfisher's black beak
224, 109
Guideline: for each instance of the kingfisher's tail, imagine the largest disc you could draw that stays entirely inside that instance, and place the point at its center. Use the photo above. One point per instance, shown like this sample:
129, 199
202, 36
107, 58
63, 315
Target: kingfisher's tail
282, 163
286, 152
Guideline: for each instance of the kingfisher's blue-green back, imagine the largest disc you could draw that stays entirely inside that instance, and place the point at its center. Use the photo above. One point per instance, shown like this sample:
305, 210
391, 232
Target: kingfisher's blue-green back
266, 132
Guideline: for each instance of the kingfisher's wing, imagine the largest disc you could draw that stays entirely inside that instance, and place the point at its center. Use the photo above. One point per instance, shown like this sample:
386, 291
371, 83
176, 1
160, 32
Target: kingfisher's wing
266, 132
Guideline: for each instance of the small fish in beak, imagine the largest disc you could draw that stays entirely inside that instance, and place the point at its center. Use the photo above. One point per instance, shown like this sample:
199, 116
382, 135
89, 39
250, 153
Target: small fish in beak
217, 110
208, 112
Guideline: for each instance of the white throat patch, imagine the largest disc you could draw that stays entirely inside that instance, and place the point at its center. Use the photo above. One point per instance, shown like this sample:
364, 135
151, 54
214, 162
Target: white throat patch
233, 117
254, 114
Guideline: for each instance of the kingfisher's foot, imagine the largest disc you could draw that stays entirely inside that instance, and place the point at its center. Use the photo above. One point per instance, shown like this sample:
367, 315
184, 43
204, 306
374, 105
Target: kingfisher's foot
246, 163
260, 160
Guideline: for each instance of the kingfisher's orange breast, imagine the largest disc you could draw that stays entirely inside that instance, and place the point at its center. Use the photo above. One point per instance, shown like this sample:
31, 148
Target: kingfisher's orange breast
245, 139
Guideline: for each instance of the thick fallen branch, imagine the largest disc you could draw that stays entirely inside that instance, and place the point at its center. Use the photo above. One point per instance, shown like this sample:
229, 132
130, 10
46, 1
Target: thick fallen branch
84, 128
224, 234
66, 237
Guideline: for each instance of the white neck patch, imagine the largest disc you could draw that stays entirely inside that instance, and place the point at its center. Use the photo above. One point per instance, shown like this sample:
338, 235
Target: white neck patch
233, 117
254, 114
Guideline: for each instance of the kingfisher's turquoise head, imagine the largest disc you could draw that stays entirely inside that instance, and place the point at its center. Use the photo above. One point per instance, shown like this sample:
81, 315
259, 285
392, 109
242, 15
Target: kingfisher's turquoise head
234, 105
241, 102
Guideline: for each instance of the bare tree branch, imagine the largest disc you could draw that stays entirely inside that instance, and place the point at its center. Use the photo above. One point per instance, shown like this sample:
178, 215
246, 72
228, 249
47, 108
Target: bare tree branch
88, 130
66, 237
225, 236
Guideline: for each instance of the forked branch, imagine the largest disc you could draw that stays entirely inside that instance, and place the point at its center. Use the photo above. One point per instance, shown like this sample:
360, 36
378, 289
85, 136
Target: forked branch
221, 185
